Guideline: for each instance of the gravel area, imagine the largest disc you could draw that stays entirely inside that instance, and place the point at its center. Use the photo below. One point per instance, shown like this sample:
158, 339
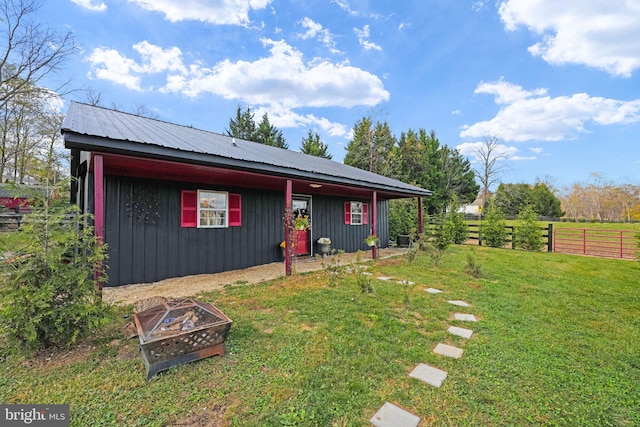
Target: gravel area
189, 286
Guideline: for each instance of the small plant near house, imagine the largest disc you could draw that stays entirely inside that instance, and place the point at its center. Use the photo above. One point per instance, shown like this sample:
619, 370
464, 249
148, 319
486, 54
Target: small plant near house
410, 256
437, 239
528, 235
473, 268
333, 268
50, 291
494, 231
362, 280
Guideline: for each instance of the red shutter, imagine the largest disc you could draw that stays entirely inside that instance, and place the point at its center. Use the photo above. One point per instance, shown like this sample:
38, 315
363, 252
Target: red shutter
189, 208
365, 213
347, 213
235, 210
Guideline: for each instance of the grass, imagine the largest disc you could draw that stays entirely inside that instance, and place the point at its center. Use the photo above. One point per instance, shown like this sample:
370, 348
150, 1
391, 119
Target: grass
556, 345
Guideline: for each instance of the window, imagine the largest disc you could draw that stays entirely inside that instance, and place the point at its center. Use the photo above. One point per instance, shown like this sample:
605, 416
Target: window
210, 209
356, 213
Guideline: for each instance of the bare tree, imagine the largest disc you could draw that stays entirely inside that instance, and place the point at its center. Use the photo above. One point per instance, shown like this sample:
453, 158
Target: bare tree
29, 51
491, 167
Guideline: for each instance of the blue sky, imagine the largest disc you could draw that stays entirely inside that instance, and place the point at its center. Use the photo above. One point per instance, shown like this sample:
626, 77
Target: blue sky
557, 81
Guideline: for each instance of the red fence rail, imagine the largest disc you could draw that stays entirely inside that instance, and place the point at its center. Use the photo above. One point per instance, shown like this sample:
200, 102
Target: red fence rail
601, 243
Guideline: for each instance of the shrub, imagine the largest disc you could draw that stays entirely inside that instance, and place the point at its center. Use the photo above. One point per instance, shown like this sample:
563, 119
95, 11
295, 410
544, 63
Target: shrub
473, 268
50, 291
458, 229
528, 235
494, 231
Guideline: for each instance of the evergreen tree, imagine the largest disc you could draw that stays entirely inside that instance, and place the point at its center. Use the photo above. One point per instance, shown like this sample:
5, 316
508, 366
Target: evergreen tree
243, 127
512, 198
544, 201
371, 147
314, 146
270, 135
528, 235
50, 292
494, 231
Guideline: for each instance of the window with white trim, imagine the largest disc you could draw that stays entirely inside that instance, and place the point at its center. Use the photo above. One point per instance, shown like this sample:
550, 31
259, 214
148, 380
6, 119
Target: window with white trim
356, 213
212, 209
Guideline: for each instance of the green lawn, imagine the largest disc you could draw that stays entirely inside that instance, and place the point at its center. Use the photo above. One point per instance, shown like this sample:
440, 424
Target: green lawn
557, 344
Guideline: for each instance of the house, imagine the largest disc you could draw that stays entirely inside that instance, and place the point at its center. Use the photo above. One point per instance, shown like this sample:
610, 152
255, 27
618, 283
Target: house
172, 200
476, 207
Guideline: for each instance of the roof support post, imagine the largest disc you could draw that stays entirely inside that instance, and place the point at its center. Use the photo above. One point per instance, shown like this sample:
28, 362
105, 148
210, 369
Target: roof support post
98, 200
374, 220
288, 221
420, 220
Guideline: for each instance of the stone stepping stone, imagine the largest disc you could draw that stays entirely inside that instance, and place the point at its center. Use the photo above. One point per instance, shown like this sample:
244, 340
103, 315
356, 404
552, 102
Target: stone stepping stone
459, 303
461, 332
433, 291
448, 350
429, 374
406, 282
385, 278
465, 317
391, 415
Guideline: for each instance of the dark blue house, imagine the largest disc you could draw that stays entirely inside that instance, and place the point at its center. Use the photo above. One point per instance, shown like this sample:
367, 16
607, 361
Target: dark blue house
171, 200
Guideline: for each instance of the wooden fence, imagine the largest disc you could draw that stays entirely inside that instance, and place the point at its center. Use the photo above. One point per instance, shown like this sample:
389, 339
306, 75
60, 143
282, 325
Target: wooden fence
475, 234
601, 243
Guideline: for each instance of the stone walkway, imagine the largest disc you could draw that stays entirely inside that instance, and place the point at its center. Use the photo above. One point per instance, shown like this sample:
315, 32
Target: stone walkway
390, 415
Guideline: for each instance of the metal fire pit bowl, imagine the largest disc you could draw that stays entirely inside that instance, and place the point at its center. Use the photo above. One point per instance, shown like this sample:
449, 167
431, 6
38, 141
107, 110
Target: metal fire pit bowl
178, 332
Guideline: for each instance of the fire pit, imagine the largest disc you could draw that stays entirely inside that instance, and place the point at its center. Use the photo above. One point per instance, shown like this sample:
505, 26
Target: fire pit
177, 332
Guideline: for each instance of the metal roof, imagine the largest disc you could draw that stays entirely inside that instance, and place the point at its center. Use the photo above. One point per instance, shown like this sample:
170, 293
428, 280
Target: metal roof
92, 128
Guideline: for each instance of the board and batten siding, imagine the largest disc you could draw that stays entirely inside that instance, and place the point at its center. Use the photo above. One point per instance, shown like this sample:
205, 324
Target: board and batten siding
146, 243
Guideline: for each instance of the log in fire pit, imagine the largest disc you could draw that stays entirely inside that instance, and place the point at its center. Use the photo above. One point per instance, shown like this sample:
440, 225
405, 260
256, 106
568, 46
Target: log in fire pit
177, 332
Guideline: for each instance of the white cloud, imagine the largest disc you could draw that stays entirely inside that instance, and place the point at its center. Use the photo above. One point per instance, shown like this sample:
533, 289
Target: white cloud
284, 117
316, 31
283, 78
345, 6
478, 6
533, 115
111, 65
595, 33
279, 82
225, 12
88, 4
537, 150
363, 39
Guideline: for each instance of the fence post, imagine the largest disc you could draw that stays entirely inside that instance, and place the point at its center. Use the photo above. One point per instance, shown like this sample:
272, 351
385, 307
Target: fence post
513, 236
550, 238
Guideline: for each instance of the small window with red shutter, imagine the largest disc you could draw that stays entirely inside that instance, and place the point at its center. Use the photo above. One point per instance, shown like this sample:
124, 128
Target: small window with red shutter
210, 209
356, 213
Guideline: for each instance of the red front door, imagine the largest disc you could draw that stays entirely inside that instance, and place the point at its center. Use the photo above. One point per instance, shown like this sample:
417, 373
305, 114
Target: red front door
302, 222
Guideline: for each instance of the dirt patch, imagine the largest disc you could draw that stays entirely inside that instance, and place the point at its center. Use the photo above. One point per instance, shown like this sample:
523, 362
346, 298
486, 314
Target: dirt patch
192, 286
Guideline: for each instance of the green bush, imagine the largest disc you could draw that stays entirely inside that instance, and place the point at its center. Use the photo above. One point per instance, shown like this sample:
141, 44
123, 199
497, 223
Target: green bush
458, 229
494, 231
472, 267
50, 293
528, 233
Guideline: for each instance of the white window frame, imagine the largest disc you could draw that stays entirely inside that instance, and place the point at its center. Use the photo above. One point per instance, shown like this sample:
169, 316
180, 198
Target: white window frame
358, 214
202, 209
